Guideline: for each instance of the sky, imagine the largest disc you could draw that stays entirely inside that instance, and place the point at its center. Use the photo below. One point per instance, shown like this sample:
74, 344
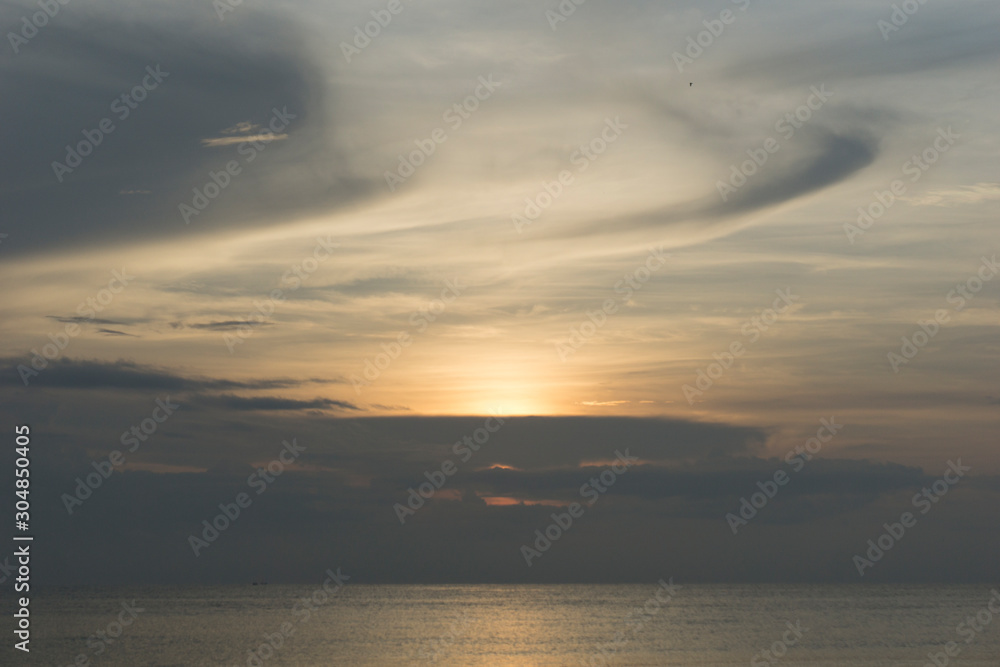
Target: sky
725, 242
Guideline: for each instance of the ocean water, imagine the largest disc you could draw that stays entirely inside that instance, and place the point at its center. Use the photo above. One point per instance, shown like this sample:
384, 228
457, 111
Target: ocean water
696, 625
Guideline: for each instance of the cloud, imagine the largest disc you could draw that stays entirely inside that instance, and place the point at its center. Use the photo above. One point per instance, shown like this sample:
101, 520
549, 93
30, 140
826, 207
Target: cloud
834, 158
84, 320
113, 332
242, 127
266, 403
539, 442
963, 195
92, 374
940, 39
808, 167
224, 325
354, 470
251, 138
390, 408
849, 482
216, 74
493, 346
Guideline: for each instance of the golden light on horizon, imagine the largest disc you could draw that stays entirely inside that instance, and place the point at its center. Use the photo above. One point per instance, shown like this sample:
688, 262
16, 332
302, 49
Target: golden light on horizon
500, 386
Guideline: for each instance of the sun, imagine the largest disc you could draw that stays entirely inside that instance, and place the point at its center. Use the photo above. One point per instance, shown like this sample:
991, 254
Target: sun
514, 407
481, 383
513, 397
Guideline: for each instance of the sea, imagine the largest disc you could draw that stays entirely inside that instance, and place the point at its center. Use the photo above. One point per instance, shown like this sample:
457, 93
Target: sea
656, 623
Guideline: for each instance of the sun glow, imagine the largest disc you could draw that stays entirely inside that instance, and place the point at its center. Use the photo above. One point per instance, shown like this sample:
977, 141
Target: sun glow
504, 388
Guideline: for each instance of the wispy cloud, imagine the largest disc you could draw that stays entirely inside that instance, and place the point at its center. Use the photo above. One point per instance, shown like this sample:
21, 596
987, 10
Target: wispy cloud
966, 194
229, 141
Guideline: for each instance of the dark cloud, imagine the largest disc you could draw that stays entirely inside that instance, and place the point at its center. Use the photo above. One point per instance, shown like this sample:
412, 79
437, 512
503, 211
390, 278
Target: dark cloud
667, 515
538, 442
338, 506
818, 158
225, 325
731, 480
265, 403
220, 73
84, 320
836, 157
122, 374
113, 332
